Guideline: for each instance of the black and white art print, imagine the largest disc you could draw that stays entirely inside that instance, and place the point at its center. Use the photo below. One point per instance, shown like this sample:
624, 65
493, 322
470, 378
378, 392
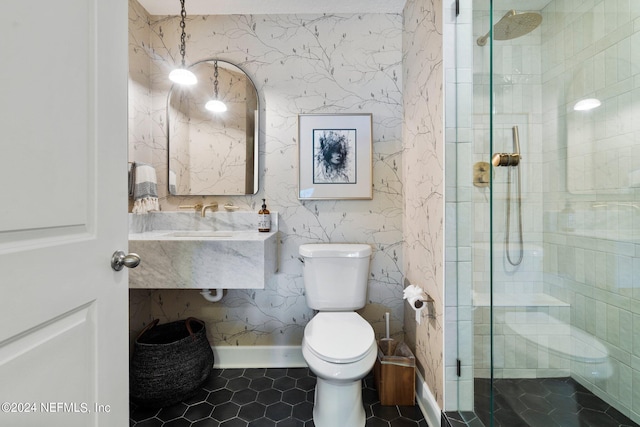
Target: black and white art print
335, 156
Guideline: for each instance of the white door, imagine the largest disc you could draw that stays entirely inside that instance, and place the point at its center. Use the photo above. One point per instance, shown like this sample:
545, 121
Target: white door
63, 121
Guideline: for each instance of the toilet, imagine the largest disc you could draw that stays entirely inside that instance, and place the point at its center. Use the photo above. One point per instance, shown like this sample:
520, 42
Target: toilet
338, 345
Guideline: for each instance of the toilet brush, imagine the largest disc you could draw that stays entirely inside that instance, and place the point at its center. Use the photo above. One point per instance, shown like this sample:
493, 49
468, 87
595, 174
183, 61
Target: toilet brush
387, 345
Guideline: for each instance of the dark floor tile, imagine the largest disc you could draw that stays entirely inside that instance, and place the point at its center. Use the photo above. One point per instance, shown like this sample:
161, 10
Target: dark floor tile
591, 402
153, 422
220, 396
252, 411
403, 422
387, 413
538, 419
225, 412
544, 402
294, 396
178, 422
265, 398
244, 397
536, 403
237, 384
566, 419
231, 373
172, 412
198, 411
377, 422
268, 397
275, 373
411, 412
262, 422
559, 386
235, 422
284, 383
593, 418
297, 372
254, 373
262, 383
303, 411
290, 422
562, 403
534, 387
279, 411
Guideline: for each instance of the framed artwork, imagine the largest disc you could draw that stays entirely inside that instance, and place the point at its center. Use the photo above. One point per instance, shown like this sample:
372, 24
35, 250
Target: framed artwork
335, 153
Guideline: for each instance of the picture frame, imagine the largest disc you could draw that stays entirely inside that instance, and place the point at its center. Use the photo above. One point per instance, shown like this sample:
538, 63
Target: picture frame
335, 156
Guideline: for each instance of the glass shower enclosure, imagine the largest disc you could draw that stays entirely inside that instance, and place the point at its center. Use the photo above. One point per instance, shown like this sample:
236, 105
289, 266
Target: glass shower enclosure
548, 181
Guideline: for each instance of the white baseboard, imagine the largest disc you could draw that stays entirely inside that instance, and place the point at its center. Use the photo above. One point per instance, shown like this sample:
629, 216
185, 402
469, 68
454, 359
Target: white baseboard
427, 403
258, 356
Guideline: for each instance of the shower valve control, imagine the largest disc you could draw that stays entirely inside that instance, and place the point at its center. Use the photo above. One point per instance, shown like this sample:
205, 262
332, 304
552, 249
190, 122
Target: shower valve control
505, 159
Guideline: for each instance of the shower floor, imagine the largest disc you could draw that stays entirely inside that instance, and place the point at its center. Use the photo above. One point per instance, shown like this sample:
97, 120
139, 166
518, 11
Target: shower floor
265, 398
544, 402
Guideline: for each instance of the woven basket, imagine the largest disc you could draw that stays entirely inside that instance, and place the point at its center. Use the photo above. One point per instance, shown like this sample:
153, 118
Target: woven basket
169, 363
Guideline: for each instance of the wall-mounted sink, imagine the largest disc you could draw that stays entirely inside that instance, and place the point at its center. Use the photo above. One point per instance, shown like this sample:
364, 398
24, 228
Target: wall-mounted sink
202, 259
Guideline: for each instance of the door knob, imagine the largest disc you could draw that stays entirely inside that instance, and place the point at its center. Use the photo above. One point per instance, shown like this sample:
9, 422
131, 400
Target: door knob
119, 260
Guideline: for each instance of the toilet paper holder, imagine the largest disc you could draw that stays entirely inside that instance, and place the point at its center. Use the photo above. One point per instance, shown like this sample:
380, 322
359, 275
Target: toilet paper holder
417, 297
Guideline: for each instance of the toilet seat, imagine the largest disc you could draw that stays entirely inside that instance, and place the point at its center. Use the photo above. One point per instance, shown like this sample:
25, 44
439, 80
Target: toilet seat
339, 337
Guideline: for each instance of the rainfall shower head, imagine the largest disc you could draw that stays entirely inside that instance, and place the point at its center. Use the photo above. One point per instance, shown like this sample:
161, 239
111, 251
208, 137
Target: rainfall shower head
513, 25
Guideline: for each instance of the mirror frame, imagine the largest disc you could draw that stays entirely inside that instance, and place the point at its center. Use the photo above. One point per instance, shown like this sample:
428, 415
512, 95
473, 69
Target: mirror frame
251, 185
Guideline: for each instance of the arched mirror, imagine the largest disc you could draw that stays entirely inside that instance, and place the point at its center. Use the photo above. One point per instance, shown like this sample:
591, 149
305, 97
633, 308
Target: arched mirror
213, 153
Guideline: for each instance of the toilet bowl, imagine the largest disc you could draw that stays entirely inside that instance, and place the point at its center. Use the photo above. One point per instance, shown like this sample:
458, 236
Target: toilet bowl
338, 345
340, 349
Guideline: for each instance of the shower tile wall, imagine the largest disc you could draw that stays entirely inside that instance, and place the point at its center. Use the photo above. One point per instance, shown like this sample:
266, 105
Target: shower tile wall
517, 102
592, 50
300, 64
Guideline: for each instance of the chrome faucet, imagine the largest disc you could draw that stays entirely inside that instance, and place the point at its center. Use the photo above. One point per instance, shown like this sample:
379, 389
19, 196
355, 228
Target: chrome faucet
213, 206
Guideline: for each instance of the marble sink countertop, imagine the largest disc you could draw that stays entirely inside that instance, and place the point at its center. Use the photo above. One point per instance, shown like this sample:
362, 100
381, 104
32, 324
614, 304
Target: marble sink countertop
201, 235
222, 221
182, 250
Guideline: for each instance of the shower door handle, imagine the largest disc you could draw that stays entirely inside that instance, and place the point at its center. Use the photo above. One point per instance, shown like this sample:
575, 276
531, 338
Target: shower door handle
509, 159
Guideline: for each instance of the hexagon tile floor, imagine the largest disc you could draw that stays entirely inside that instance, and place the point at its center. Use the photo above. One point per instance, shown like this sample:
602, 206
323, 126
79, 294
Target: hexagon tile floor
542, 402
265, 398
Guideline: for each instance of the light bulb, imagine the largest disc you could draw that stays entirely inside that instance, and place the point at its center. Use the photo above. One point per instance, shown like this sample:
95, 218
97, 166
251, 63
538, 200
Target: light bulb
182, 76
216, 106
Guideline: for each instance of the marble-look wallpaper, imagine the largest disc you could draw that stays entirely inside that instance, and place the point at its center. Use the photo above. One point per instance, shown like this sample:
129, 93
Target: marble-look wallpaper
300, 64
423, 172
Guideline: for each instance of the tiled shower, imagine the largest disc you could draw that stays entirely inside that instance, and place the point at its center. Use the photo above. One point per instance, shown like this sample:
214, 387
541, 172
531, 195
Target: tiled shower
579, 201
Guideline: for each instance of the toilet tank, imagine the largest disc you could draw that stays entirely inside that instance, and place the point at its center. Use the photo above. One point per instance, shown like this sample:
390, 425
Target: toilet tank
335, 275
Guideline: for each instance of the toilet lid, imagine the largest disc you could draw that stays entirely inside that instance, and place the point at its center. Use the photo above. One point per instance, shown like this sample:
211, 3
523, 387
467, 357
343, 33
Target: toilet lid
339, 337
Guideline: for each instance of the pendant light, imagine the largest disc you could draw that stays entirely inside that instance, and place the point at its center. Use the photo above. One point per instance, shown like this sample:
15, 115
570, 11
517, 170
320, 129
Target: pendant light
182, 75
215, 104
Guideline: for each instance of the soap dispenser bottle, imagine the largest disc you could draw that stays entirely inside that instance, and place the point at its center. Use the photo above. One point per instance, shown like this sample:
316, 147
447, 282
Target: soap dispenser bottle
264, 218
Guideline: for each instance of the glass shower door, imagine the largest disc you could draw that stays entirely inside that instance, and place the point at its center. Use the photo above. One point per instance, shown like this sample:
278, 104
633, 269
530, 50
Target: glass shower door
555, 234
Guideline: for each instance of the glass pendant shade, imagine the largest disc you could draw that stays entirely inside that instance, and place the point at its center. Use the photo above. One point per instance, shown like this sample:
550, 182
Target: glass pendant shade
216, 106
182, 76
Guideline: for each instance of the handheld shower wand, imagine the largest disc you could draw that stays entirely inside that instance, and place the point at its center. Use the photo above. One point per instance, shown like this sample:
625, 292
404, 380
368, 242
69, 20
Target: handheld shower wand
512, 159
